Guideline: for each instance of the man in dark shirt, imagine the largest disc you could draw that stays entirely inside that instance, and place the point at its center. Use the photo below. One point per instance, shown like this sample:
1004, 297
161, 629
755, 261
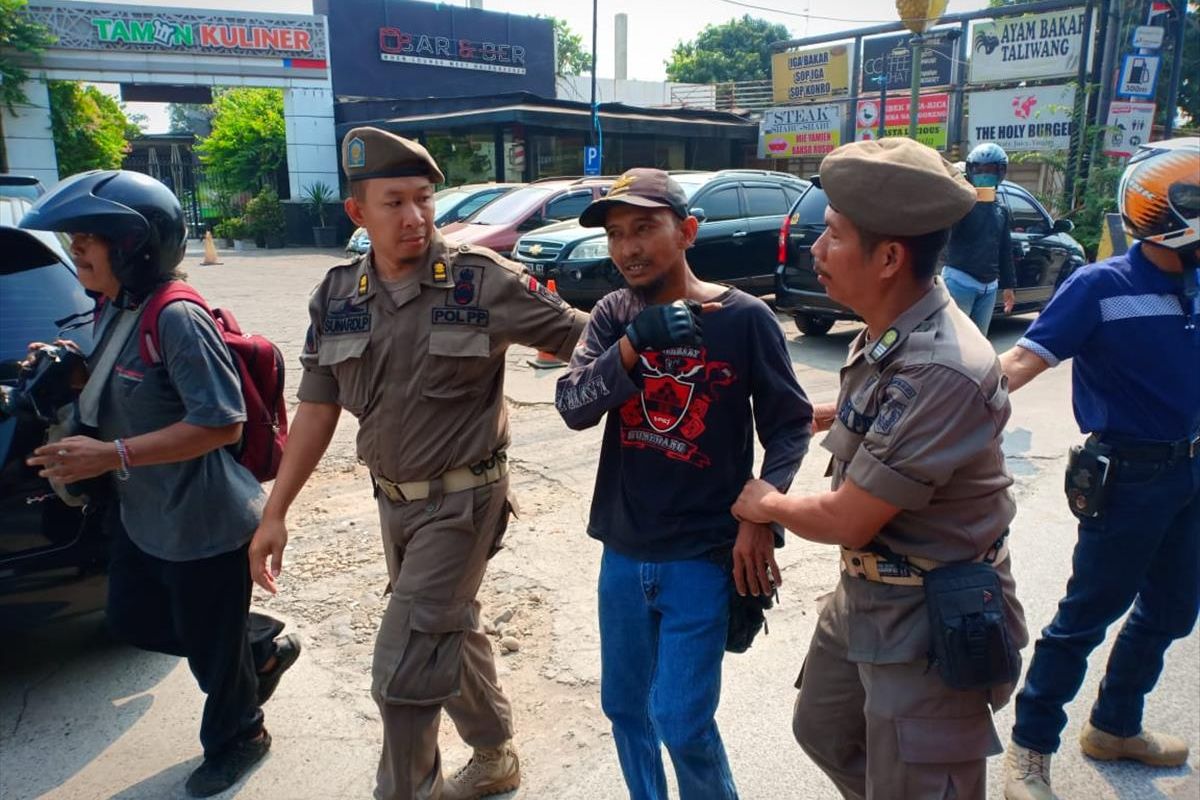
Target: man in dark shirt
677, 450
979, 257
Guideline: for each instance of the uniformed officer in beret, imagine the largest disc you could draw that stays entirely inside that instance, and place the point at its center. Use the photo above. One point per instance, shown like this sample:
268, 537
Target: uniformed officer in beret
411, 340
917, 472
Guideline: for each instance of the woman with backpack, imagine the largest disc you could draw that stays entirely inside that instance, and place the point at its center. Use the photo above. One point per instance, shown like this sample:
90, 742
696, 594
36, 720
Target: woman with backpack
159, 431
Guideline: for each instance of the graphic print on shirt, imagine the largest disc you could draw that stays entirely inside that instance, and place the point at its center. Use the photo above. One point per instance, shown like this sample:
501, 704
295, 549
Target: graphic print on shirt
679, 386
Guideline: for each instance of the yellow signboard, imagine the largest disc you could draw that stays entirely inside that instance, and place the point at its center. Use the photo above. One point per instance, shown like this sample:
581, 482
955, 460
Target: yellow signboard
818, 73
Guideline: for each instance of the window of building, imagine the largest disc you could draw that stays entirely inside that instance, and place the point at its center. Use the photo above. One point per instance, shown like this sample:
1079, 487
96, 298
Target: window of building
556, 154
464, 156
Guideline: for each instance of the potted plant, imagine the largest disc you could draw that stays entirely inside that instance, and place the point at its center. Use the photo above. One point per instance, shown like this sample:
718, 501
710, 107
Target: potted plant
224, 231
239, 230
316, 196
264, 216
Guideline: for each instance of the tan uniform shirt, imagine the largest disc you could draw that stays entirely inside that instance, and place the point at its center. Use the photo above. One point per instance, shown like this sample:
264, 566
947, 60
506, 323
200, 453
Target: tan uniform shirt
422, 366
920, 417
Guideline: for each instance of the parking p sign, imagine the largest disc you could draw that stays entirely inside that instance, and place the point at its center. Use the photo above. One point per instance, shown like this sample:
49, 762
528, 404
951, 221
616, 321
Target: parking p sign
591, 160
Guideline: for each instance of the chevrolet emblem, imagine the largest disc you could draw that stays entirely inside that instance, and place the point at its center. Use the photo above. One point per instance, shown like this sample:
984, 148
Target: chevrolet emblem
536, 250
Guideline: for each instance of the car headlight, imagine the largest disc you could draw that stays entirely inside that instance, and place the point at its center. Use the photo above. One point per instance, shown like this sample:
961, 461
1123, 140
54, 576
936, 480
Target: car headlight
590, 250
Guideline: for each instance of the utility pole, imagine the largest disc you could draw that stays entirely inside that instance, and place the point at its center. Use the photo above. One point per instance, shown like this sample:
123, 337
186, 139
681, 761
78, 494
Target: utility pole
1176, 68
594, 137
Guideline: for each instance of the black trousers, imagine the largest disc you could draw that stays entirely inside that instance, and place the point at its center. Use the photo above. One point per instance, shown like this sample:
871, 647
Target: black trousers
198, 610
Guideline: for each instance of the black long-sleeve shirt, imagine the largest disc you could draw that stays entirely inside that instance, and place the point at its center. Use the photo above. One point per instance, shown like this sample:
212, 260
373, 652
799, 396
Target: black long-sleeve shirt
981, 245
678, 443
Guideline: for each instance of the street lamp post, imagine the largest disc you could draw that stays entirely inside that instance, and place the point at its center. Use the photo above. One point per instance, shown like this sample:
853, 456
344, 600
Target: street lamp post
918, 16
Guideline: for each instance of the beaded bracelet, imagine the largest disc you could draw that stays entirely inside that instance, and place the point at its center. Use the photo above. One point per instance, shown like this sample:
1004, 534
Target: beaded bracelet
123, 455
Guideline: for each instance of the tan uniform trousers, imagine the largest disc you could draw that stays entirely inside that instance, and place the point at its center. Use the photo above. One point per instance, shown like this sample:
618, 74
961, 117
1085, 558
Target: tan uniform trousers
430, 653
892, 731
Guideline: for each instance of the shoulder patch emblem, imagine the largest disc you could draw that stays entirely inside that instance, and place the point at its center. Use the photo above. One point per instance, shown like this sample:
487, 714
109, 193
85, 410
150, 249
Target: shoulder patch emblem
362, 285
466, 285
439, 271
356, 153
898, 395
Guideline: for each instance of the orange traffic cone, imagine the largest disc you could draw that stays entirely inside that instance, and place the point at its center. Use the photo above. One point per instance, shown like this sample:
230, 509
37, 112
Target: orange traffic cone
210, 251
547, 360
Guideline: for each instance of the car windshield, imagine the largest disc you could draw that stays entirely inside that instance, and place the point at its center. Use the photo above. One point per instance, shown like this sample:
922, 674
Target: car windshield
811, 210
447, 199
689, 189
508, 208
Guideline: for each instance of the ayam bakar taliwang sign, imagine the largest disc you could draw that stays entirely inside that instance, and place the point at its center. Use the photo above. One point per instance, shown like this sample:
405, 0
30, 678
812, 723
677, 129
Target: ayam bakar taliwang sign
1031, 46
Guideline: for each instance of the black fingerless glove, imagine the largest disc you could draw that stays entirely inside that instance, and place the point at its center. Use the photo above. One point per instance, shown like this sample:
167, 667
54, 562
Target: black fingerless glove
669, 325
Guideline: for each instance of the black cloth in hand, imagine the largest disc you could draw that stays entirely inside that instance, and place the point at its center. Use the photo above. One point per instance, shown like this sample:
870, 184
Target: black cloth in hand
667, 325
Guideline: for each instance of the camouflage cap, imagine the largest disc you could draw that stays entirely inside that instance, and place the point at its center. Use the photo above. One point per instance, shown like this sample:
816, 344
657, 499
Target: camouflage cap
640, 186
375, 153
895, 186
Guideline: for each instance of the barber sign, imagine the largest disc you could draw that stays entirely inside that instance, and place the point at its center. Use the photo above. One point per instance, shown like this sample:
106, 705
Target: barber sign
1030, 46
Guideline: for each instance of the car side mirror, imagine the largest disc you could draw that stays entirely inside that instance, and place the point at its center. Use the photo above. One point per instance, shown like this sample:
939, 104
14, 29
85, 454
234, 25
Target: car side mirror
531, 224
1062, 226
698, 213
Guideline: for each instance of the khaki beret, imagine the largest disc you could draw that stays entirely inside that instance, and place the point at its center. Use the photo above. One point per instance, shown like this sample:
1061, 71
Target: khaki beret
895, 186
375, 153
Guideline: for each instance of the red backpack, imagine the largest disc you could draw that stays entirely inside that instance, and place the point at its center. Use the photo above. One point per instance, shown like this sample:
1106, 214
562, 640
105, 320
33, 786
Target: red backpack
260, 367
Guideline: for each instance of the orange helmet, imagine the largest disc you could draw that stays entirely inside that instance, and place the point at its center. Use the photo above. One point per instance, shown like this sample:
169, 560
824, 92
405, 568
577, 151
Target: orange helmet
1159, 194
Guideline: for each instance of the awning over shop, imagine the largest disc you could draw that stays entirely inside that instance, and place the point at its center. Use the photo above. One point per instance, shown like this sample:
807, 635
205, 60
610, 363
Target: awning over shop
410, 116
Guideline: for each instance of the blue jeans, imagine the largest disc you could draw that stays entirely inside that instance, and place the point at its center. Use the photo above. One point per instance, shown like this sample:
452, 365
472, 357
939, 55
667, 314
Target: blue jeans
976, 300
1144, 550
662, 638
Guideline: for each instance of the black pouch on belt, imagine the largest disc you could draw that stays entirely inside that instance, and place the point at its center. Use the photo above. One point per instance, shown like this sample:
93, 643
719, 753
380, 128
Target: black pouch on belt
970, 643
1089, 469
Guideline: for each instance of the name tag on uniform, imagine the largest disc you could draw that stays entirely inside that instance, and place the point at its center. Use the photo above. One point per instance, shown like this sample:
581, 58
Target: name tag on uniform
460, 315
347, 320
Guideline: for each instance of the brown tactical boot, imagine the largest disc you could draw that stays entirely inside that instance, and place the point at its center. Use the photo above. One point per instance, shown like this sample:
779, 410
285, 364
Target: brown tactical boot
1155, 749
1027, 774
492, 770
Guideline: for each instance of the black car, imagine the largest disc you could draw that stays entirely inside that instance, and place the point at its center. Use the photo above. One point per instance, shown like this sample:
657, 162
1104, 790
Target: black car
52, 555
739, 211
1045, 256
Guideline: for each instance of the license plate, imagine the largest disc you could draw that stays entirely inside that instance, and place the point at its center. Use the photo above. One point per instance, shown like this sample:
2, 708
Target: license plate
537, 270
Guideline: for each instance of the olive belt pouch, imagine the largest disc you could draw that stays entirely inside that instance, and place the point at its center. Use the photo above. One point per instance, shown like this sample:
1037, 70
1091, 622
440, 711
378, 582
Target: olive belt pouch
971, 645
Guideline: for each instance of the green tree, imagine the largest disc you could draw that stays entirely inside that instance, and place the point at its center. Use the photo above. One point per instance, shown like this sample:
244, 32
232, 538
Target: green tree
189, 118
90, 129
571, 58
19, 37
738, 50
248, 140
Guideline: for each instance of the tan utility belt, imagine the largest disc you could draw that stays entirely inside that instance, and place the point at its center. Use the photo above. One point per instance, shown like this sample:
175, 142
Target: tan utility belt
459, 479
879, 569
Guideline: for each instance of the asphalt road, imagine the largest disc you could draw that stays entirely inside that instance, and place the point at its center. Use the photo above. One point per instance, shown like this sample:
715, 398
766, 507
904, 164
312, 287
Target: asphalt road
82, 718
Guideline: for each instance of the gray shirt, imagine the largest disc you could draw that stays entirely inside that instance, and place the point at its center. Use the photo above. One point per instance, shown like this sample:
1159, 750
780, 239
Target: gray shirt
189, 509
